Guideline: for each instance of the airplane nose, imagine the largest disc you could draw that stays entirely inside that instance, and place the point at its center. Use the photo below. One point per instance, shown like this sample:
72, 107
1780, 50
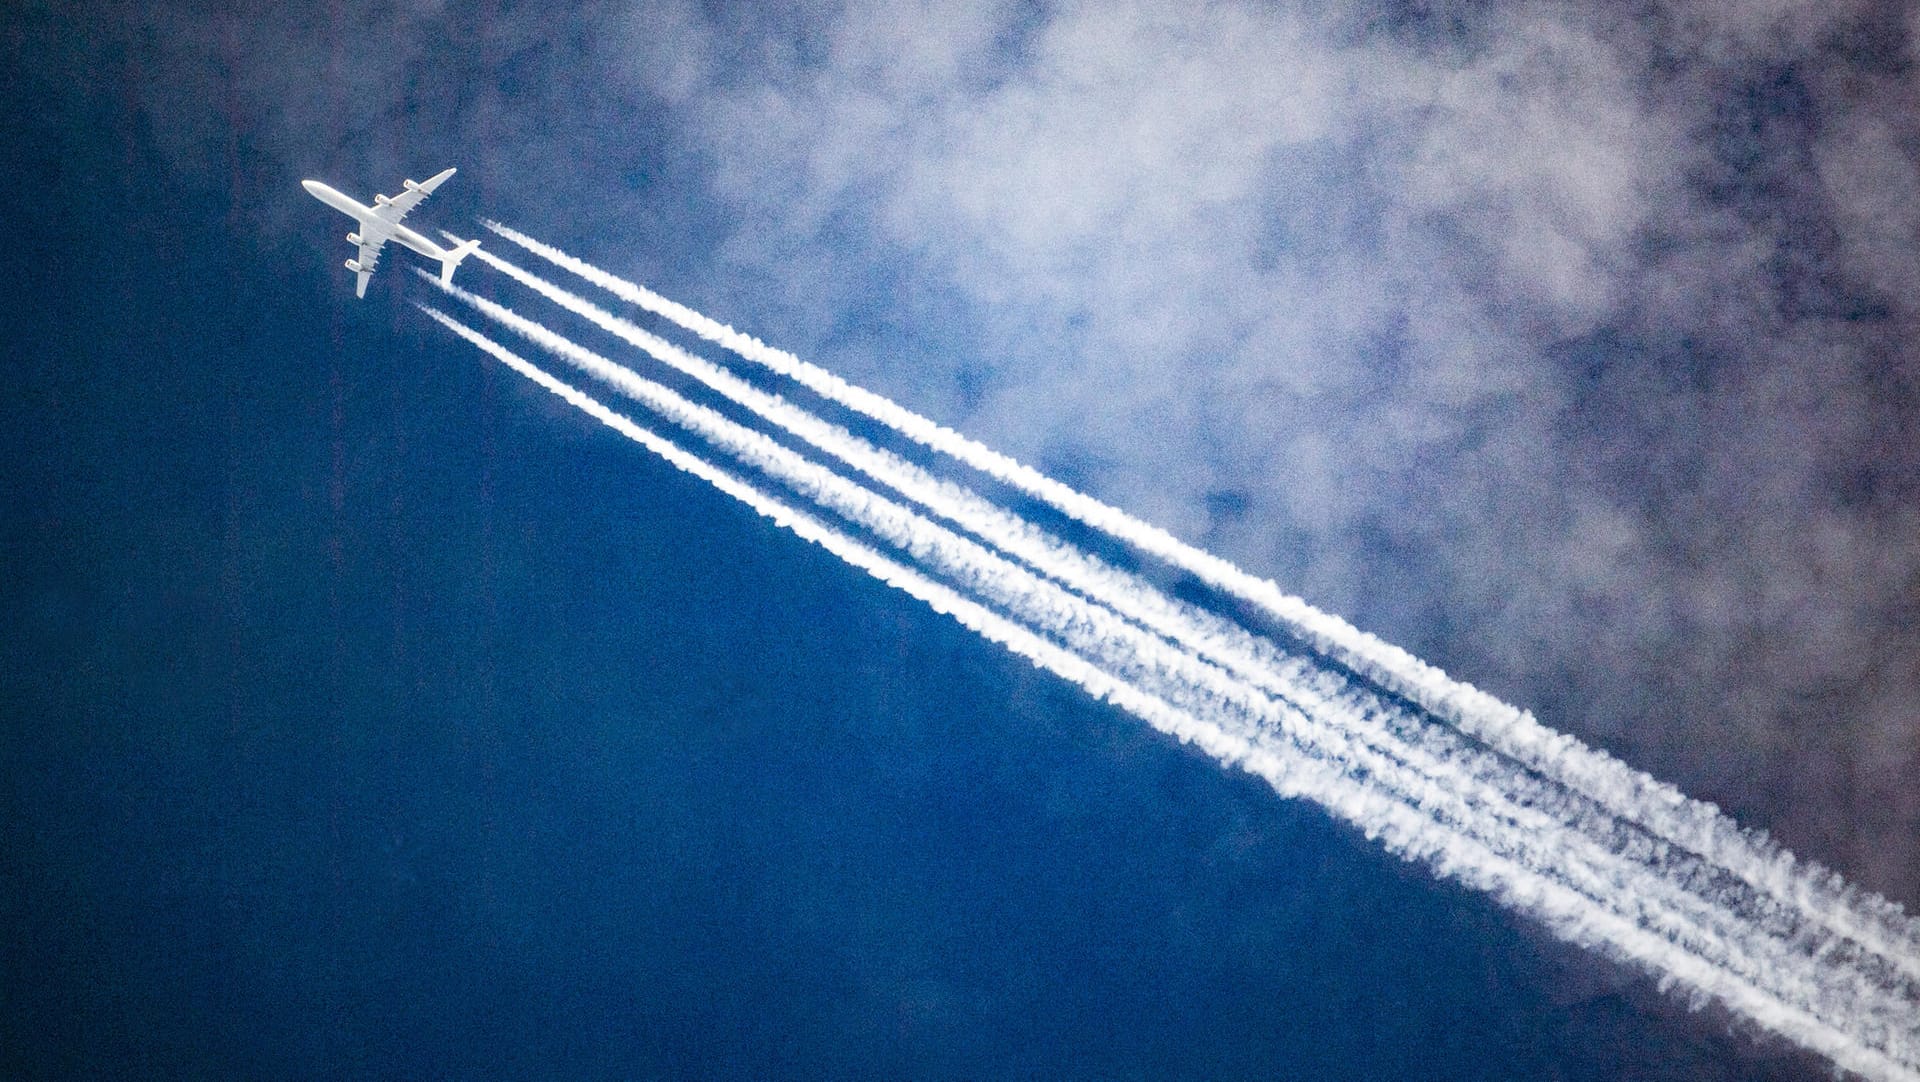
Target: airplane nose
312, 186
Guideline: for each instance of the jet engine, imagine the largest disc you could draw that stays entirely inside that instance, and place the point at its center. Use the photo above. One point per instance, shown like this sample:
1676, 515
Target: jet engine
411, 184
381, 200
353, 238
353, 265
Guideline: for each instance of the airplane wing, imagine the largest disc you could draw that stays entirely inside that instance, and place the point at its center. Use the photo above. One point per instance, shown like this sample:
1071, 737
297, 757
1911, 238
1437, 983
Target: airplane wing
411, 196
368, 258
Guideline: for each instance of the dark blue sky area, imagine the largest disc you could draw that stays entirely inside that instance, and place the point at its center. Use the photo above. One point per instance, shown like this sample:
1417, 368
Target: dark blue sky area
364, 713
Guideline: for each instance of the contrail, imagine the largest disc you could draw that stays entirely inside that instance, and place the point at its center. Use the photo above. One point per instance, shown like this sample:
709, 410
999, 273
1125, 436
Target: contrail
1681, 883
1697, 959
1874, 923
1398, 825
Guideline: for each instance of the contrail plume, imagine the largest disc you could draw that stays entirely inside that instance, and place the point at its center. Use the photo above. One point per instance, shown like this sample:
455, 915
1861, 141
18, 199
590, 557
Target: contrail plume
1824, 897
1169, 673
1404, 828
1756, 939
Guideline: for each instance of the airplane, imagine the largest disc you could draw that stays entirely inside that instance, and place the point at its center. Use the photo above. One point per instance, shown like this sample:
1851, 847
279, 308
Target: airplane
381, 222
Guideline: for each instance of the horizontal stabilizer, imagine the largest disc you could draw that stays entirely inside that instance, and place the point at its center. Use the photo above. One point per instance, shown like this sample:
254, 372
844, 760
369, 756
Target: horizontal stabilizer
453, 257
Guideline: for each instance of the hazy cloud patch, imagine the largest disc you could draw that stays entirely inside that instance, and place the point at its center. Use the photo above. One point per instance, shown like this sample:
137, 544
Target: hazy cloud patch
1545, 354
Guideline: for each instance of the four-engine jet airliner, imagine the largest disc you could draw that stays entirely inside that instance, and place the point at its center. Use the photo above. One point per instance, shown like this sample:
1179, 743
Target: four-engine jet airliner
380, 223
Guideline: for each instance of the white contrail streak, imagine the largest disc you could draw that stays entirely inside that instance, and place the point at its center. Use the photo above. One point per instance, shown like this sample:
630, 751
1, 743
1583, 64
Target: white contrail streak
1871, 921
1756, 945
1402, 828
1151, 663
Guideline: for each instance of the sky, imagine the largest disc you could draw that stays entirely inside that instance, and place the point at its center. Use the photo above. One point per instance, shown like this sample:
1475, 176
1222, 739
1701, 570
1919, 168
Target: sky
367, 713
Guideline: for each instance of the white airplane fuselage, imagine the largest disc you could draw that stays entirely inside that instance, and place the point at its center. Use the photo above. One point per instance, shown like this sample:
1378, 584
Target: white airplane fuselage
380, 223
372, 227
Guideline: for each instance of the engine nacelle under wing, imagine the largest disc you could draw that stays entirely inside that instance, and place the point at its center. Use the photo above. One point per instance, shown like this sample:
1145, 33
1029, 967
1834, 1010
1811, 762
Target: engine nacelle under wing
353, 265
381, 200
412, 185
353, 238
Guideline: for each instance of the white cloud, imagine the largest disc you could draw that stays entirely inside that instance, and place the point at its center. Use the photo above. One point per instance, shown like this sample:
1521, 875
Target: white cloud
1874, 186
1415, 306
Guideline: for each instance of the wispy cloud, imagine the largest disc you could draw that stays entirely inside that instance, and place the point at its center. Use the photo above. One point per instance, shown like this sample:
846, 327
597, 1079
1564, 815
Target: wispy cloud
1590, 336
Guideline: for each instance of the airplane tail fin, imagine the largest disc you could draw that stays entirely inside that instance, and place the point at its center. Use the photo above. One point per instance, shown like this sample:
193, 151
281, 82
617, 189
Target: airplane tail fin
453, 257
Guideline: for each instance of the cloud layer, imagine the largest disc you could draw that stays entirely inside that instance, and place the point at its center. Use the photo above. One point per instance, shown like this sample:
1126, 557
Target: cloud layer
1570, 349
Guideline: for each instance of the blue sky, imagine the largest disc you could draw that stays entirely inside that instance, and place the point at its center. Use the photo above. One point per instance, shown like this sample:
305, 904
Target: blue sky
367, 709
